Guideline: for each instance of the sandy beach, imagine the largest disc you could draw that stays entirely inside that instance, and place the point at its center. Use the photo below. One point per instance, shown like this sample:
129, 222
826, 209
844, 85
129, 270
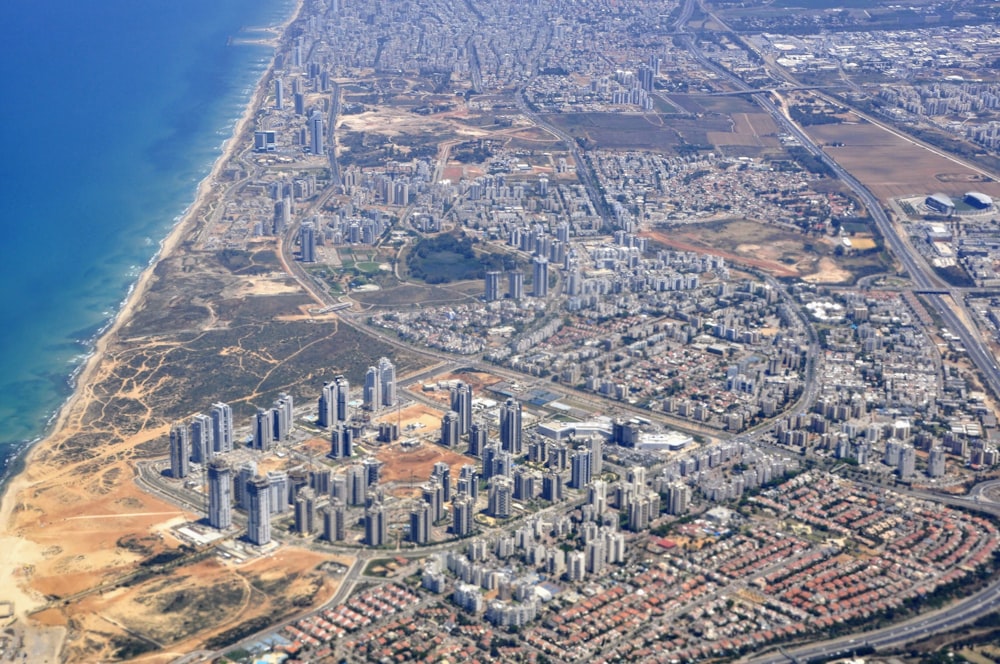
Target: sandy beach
59, 527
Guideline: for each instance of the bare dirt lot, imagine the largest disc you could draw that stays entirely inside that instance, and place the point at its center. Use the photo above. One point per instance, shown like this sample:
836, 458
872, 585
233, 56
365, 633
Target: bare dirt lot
751, 129
403, 464
893, 166
777, 251
640, 131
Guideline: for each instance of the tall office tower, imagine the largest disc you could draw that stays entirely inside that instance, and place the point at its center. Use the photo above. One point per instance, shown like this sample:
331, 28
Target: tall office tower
180, 451
432, 494
562, 232
492, 292
298, 479
307, 242
357, 485
490, 452
326, 413
387, 377
678, 498
338, 488
936, 462
220, 494
317, 141
478, 433
595, 556
907, 462
501, 497
320, 481
282, 417
376, 528
372, 393
246, 473
596, 455
343, 398
552, 487
278, 480
541, 277
341, 442
461, 403
643, 510
279, 94
420, 524
525, 483
259, 511
597, 496
503, 464
581, 469
462, 509
510, 427
305, 511
334, 518
468, 482
373, 470
300, 103
450, 427
263, 430
202, 449
515, 285
297, 54
222, 428
442, 472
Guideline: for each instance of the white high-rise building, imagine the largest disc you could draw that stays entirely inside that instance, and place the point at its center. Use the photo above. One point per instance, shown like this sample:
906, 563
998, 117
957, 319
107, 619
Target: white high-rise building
220, 494
387, 379
259, 511
180, 451
222, 428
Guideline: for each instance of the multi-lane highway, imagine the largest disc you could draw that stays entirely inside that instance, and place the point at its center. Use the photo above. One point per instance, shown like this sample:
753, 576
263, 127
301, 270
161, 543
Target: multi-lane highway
914, 265
988, 599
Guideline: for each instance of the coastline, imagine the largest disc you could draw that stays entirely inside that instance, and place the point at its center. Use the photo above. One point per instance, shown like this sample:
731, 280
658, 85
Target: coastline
17, 552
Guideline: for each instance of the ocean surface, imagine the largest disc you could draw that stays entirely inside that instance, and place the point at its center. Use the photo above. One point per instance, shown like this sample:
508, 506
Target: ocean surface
113, 111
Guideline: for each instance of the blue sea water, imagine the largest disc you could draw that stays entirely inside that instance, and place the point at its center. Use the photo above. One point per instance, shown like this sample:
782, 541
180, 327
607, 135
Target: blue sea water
112, 111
